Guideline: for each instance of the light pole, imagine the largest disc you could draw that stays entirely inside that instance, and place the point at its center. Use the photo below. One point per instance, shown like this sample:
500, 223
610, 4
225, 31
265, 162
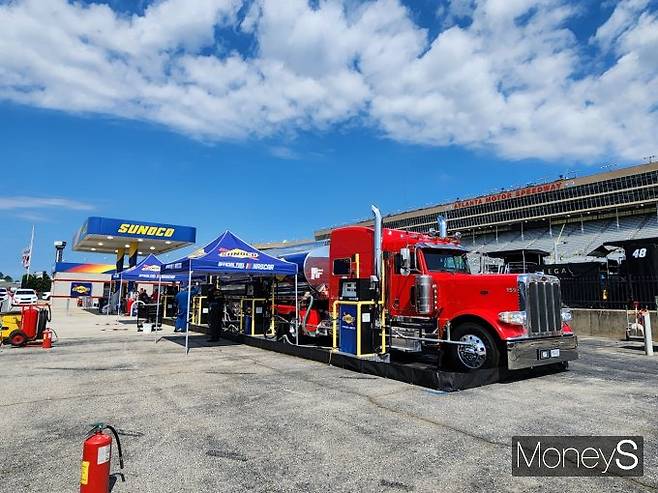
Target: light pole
59, 250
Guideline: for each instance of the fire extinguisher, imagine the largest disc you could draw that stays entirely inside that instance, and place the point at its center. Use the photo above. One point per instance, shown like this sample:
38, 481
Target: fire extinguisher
48, 339
96, 455
47, 342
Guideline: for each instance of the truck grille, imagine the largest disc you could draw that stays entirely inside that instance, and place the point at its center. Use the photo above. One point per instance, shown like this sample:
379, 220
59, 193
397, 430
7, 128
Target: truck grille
541, 299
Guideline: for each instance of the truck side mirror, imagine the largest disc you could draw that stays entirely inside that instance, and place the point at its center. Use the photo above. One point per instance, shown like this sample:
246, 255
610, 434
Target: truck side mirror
405, 261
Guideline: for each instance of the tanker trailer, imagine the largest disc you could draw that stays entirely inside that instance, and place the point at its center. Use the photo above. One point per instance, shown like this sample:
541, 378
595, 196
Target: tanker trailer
313, 268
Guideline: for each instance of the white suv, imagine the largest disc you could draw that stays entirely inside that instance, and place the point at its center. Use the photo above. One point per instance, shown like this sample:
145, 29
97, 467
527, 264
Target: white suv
24, 297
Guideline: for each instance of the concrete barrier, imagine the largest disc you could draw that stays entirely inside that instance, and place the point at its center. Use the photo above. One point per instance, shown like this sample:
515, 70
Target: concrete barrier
602, 323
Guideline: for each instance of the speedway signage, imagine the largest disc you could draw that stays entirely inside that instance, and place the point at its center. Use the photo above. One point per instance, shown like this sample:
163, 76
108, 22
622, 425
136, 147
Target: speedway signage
512, 194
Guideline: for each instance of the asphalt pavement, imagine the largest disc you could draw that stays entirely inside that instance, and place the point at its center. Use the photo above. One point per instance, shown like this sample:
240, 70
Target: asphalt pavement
229, 417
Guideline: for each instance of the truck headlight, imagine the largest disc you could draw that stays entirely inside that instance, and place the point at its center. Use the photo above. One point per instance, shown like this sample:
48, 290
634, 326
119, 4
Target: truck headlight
566, 315
513, 318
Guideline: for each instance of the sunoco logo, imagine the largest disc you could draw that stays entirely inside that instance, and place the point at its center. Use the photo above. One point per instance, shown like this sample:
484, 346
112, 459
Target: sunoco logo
237, 252
80, 289
143, 230
348, 319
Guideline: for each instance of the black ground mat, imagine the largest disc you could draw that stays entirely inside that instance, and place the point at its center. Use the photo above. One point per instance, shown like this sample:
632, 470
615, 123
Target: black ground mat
195, 342
423, 371
416, 373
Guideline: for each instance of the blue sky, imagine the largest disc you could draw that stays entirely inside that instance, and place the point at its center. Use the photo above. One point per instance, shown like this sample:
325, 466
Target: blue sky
276, 121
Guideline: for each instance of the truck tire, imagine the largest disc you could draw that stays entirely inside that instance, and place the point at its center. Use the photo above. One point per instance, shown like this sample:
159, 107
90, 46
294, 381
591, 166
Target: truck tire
485, 354
18, 338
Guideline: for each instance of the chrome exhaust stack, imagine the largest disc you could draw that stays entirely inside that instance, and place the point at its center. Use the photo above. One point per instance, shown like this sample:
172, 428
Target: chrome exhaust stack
377, 247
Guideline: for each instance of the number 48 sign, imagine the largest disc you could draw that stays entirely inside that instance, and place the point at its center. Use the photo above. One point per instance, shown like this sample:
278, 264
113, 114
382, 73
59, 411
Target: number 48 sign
640, 253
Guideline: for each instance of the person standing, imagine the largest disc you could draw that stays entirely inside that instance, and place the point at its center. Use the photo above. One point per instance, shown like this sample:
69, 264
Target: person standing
215, 313
182, 301
144, 297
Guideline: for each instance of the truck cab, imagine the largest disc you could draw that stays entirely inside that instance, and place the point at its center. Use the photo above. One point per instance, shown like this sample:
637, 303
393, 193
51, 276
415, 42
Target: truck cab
431, 301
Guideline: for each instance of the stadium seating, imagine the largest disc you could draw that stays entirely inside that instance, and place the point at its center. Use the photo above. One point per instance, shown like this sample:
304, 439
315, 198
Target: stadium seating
574, 242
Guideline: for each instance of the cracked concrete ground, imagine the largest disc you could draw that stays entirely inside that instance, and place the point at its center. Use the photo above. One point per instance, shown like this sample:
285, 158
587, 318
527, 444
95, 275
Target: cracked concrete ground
236, 418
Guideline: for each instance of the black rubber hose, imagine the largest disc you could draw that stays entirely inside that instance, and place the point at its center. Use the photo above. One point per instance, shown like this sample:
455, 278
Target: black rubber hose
116, 435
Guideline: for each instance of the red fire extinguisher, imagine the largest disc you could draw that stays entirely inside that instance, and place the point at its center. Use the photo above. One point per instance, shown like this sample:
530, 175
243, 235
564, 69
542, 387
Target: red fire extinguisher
47, 342
96, 455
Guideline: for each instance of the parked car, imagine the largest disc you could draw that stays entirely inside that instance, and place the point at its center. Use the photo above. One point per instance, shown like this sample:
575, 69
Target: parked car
24, 297
46, 295
4, 294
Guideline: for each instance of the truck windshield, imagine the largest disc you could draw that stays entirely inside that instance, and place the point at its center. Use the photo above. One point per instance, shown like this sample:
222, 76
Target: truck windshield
445, 260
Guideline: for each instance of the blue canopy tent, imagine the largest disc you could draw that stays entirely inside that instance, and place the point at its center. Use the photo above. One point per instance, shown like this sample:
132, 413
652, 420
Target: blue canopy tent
229, 255
148, 270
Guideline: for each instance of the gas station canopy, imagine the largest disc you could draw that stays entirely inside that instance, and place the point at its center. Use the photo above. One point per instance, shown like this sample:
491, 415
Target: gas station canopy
108, 235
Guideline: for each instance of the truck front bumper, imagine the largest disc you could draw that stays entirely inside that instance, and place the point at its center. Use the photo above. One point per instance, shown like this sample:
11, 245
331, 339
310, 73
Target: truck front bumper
528, 353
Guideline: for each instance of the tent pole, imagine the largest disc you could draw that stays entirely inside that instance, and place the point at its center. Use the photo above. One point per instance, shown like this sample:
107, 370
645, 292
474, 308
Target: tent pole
157, 308
296, 314
109, 298
189, 299
119, 299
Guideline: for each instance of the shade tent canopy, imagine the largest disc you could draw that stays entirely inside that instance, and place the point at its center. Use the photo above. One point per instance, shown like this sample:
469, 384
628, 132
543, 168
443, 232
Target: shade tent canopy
228, 254
148, 270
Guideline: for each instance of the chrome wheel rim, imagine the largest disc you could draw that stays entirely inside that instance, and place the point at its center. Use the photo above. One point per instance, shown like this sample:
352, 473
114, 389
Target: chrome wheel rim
474, 355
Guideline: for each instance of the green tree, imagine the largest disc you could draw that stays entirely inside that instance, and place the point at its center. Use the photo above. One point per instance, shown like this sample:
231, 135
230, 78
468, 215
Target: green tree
39, 284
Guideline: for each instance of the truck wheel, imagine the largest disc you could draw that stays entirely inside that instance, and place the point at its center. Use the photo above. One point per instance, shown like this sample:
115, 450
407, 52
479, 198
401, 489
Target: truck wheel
483, 353
18, 338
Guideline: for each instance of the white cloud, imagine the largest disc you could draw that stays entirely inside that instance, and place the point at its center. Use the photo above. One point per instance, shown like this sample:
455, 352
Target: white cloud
283, 152
25, 202
33, 217
622, 18
515, 81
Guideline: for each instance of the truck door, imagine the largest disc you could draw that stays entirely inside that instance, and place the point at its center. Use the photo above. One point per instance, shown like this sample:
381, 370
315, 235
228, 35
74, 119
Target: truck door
400, 299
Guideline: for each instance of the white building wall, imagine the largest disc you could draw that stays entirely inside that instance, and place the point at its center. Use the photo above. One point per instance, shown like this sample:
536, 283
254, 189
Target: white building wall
61, 289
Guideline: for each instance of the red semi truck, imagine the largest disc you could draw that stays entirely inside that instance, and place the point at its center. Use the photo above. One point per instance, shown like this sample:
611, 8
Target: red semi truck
430, 300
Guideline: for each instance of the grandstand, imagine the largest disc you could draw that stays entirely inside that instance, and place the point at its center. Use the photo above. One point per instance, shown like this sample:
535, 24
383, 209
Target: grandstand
568, 220
598, 233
